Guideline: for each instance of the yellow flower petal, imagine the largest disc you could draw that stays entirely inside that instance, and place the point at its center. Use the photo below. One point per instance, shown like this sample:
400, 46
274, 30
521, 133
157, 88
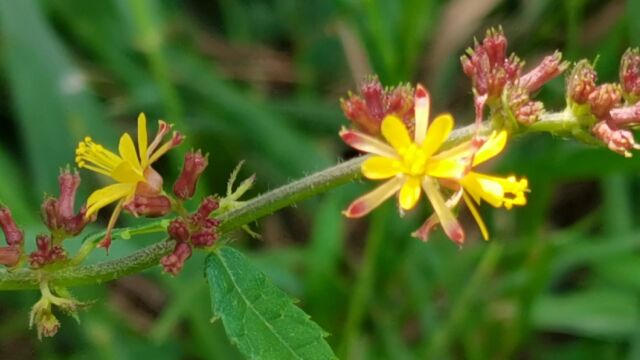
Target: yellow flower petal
105, 196
394, 130
492, 147
409, 193
142, 140
450, 224
364, 204
128, 150
366, 143
126, 173
495, 190
437, 134
476, 215
380, 167
446, 169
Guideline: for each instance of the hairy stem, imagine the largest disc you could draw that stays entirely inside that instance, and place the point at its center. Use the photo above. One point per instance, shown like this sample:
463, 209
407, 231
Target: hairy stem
250, 211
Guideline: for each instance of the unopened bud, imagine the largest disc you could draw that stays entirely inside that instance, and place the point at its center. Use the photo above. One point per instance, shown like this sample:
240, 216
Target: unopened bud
204, 238
13, 234
47, 325
69, 184
10, 255
618, 140
46, 253
179, 230
581, 82
174, 262
49, 212
207, 206
194, 164
604, 98
626, 116
630, 75
374, 103
488, 66
549, 68
524, 110
149, 206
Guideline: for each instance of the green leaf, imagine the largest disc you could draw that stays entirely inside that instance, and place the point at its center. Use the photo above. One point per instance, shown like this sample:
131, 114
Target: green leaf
260, 318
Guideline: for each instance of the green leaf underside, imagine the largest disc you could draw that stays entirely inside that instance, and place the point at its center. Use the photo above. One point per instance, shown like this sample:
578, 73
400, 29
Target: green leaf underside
257, 316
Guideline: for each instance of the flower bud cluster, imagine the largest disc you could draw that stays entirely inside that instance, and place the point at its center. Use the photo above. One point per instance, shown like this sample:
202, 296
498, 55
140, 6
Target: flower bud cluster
497, 79
197, 230
46, 253
609, 109
369, 108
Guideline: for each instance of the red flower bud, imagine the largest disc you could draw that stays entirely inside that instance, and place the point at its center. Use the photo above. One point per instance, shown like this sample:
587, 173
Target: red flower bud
58, 214
174, 262
179, 230
149, 206
46, 253
524, 110
581, 82
194, 164
630, 74
207, 206
618, 140
13, 235
488, 66
204, 238
549, 68
10, 255
604, 98
69, 184
374, 103
625, 116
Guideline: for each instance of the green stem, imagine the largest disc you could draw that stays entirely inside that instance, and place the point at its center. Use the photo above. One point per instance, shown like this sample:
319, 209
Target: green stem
252, 210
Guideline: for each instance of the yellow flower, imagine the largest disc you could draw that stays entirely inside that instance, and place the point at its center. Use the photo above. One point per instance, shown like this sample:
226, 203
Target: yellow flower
130, 169
412, 166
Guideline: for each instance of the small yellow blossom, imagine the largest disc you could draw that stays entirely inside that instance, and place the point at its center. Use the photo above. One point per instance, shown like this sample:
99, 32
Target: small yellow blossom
412, 166
130, 169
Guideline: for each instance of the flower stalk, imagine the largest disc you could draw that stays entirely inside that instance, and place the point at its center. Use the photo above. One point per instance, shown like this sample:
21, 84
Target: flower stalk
231, 219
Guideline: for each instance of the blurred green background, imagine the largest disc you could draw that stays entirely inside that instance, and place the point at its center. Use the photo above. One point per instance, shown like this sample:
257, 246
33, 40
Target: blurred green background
260, 81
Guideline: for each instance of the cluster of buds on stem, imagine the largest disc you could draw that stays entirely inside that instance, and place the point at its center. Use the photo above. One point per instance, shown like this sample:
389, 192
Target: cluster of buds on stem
608, 109
197, 230
42, 312
58, 213
367, 109
498, 82
10, 255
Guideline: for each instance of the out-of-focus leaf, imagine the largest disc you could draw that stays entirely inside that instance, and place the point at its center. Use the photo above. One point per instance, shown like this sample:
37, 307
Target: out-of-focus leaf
596, 313
260, 318
52, 101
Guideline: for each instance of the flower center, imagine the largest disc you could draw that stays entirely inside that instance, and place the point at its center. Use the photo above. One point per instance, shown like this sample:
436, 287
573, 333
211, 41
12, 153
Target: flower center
414, 160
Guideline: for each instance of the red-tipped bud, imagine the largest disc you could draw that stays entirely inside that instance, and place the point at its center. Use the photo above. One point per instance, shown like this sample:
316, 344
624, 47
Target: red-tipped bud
46, 253
58, 214
618, 140
488, 66
13, 234
207, 206
374, 103
174, 262
630, 75
604, 98
625, 116
194, 164
69, 184
204, 238
549, 68
525, 111
179, 230
149, 206
581, 82
10, 255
